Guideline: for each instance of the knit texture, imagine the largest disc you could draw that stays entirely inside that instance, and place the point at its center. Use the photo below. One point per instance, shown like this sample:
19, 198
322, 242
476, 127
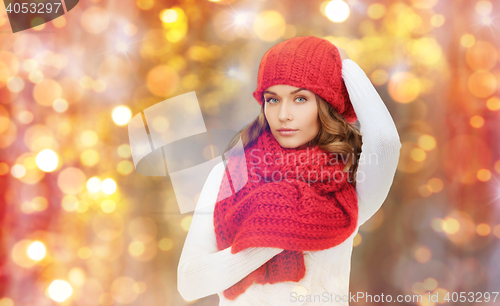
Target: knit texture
296, 199
306, 62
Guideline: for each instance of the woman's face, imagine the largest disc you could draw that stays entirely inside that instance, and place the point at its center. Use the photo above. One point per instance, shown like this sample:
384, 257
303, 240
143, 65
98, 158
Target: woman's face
291, 107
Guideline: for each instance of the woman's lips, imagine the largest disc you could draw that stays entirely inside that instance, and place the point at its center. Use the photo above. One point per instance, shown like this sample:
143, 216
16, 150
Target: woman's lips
287, 132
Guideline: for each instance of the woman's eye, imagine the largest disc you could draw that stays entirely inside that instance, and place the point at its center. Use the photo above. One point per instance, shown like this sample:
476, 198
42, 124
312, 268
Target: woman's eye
302, 98
270, 100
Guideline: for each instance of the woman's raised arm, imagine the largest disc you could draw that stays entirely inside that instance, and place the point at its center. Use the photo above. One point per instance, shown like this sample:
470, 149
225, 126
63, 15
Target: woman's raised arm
204, 270
381, 144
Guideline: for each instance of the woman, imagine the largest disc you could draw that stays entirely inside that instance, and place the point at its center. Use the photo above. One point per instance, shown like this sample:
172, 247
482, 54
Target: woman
265, 236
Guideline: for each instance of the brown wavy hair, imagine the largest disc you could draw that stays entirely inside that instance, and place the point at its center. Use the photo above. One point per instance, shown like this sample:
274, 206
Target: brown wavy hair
335, 135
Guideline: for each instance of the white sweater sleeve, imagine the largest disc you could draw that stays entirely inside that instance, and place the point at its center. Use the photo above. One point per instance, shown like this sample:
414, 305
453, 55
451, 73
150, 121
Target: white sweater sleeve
204, 270
381, 144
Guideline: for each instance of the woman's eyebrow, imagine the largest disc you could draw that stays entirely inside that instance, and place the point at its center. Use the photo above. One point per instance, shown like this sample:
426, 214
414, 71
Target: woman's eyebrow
293, 92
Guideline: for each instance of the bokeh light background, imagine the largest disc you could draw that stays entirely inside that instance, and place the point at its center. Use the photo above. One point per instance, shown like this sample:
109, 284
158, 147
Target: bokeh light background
81, 227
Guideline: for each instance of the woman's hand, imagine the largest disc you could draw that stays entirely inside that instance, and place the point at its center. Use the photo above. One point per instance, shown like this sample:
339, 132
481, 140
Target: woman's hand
343, 54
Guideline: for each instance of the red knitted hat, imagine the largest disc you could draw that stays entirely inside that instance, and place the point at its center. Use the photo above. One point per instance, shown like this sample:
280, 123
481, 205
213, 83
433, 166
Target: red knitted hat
306, 62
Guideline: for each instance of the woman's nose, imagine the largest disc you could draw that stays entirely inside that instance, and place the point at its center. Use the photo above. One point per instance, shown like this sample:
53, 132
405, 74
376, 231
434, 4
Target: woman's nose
285, 112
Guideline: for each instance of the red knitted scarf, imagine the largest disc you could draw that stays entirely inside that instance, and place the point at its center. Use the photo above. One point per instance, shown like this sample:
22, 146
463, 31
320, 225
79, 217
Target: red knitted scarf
297, 199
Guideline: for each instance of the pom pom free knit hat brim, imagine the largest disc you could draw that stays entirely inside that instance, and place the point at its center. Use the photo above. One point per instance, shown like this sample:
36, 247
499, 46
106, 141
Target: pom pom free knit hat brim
306, 62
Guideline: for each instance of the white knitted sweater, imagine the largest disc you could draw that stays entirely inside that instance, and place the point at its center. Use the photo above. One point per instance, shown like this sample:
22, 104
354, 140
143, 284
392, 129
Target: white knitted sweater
203, 270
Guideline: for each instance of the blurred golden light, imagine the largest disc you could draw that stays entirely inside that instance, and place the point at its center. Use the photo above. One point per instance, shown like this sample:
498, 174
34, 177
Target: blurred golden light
483, 7
427, 142
122, 290
24, 117
426, 50
467, 40
437, 20
59, 22
9, 135
174, 35
169, 16
357, 240
60, 290
430, 284
162, 80
482, 84
84, 253
89, 138
404, 87
60, 105
142, 229
124, 151
36, 250
37, 24
379, 77
108, 206
376, 11
71, 180
476, 121
450, 225
186, 222
418, 288
121, 115
39, 203
496, 231
140, 287
136, 248
269, 26
166, 244
130, 29
121, 46
32, 175
47, 160
89, 157
69, 203
47, 91
425, 190
198, 53
493, 103
99, 85
82, 207
19, 254
4, 168
424, 4
36, 76
86, 82
481, 56
337, 11
94, 184
108, 186
15, 84
436, 184
125, 167
4, 119
18, 171
483, 229
76, 276
484, 175
437, 224
423, 254
5, 301
145, 4
95, 20
486, 20
418, 154
407, 163
29, 64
